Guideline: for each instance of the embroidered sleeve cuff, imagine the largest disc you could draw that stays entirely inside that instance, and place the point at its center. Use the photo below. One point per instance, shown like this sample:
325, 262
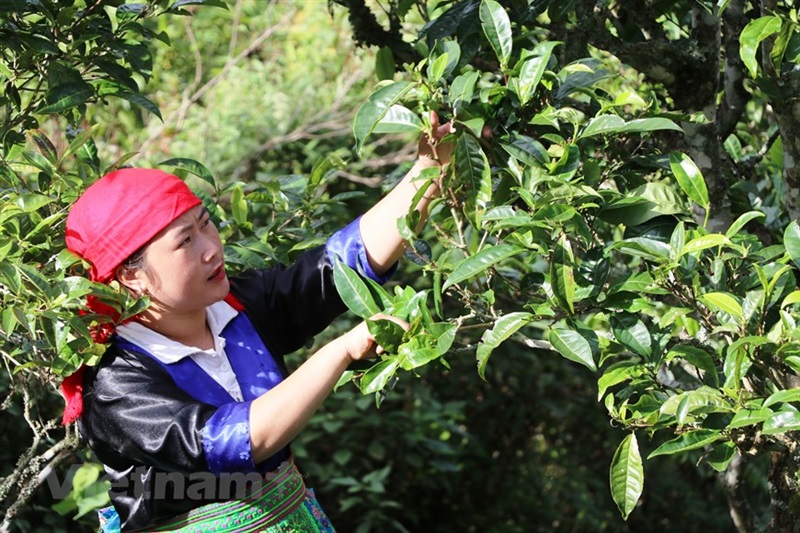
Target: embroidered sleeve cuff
226, 439
348, 246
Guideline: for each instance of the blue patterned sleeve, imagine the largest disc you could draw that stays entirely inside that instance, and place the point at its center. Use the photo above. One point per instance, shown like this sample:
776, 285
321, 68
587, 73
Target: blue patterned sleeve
226, 439
346, 244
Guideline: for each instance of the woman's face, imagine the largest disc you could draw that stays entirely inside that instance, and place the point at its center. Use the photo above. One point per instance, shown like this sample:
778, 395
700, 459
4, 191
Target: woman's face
184, 268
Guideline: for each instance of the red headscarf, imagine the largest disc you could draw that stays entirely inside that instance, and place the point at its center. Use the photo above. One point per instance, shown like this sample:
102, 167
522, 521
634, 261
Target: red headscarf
114, 218
121, 212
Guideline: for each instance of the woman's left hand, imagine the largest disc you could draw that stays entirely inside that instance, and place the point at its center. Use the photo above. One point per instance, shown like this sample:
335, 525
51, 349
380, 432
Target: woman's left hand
432, 147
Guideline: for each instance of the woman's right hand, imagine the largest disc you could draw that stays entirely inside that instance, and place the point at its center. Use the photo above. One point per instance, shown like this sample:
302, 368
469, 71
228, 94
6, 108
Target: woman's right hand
360, 343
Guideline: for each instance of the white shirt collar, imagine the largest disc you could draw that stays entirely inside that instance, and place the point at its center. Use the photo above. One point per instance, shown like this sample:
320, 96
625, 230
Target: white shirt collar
169, 351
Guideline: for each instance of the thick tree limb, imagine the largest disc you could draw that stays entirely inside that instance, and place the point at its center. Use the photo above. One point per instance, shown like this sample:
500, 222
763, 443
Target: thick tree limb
367, 31
735, 95
784, 494
735, 490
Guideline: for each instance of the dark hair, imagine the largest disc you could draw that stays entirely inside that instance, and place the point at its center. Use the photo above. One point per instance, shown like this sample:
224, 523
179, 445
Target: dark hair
135, 260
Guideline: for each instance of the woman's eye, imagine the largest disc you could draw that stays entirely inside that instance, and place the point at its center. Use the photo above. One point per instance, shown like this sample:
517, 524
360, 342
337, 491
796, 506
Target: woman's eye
185, 241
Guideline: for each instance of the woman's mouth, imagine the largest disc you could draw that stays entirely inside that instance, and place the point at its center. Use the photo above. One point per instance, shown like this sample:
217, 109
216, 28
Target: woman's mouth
218, 274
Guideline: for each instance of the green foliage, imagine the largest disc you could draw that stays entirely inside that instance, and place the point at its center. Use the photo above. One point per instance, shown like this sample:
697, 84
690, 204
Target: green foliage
568, 222
627, 475
467, 453
264, 90
380, 112
88, 493
58, 60
569, 228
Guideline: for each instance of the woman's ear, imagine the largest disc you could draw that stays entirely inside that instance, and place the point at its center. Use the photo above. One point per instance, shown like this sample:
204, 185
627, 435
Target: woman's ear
132, 279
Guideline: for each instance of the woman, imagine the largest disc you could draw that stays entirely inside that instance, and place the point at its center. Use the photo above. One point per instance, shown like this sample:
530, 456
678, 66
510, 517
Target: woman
191, 409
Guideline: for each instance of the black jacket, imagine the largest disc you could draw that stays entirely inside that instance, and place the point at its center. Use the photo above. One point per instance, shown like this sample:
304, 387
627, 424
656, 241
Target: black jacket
139, 423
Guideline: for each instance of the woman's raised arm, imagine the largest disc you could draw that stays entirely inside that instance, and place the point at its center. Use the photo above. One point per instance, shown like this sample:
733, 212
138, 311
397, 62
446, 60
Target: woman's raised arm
382, 240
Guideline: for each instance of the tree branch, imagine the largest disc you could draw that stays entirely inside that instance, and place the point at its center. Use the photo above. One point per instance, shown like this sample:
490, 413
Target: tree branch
18, 487
28, 479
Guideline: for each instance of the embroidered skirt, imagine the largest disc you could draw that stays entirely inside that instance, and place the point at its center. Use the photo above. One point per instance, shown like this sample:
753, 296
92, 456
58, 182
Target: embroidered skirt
282, 504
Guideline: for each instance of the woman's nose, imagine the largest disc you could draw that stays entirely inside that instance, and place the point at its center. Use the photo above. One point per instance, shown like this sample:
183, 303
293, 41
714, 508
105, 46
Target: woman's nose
212, 246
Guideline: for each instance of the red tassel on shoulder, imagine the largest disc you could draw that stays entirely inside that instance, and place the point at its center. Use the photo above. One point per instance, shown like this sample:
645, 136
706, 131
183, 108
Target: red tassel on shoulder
231, 300
72, 389
72, 386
